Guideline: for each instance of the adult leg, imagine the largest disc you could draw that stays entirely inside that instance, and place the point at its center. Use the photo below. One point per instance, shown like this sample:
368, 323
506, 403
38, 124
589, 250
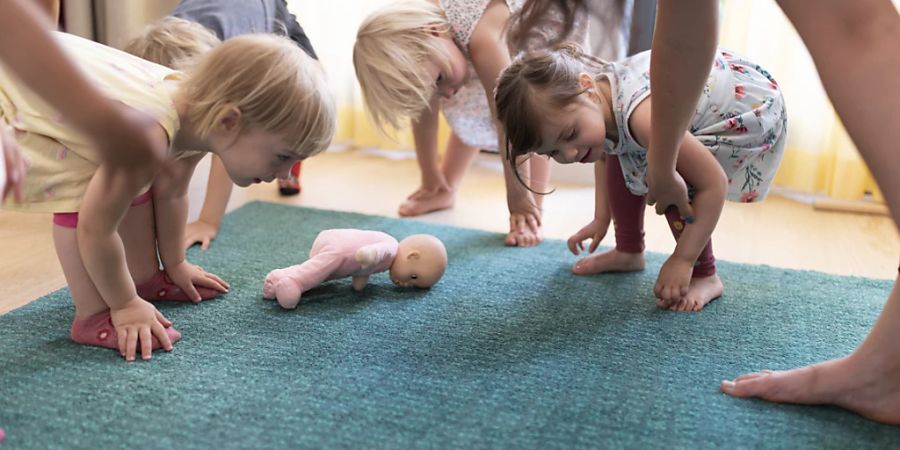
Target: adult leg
856, 48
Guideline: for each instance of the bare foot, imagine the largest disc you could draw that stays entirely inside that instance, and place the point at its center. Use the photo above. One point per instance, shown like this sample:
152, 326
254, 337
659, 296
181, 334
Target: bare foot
700, 292
870, 388
609, 261
523, 237
424, 202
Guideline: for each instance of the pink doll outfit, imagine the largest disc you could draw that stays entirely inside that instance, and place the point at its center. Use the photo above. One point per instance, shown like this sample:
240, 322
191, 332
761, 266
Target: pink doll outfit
332, 256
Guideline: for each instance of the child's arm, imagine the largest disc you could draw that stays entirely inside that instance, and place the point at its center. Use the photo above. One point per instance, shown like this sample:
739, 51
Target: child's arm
170, 204
218, 190
425, 138
121, 135
596, 230
105, 202
489, 57
701, 170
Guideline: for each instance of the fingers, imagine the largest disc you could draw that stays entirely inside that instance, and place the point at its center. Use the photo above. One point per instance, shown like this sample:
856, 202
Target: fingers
160, 332
686, 211
204, 244
131, 339
533, 223
146, 343
574, 245
595, 242
162, 319
122, 335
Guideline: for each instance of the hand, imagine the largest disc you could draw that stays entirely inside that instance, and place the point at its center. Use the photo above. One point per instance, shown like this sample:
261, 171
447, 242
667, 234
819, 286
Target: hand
667, 187
523, 212
595, 231
186, 275
365, 256
199, 232
673, 281
12, 166
136, 320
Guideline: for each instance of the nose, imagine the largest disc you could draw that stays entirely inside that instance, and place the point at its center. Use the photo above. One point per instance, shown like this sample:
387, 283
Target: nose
568, 155
447, 92
284, 171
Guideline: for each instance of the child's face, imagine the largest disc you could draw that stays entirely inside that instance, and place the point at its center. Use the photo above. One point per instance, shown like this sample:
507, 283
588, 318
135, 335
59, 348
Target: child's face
255, 156
576, 135
449, 81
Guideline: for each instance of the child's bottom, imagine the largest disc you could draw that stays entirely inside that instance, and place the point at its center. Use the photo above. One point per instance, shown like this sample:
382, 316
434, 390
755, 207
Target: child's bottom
70, 219
628, 219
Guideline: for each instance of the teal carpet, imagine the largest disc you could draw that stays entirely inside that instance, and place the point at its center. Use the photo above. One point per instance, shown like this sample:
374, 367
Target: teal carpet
509, 350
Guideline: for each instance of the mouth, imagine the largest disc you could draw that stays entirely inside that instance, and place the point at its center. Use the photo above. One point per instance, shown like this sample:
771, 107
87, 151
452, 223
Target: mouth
586, 155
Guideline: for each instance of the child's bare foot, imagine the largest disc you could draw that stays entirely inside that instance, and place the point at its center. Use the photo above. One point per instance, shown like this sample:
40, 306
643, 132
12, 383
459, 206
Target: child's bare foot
609, 261
868, 385
700, 292
523, 237
426, 201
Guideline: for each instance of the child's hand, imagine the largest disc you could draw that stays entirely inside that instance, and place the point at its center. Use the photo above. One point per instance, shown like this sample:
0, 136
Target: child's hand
136, 320
365, 256
673, 281
199, 232
12, 166
595, 231
186, 275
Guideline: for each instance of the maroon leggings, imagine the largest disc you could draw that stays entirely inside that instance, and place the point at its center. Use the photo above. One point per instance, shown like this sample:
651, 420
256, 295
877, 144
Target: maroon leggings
628, 219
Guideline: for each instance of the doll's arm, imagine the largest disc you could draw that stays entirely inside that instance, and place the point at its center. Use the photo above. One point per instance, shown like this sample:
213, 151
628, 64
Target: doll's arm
359, 282
218, 191
170, 210
373, 254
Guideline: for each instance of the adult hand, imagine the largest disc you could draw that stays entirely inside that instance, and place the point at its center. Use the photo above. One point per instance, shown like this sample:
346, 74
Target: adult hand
667, 188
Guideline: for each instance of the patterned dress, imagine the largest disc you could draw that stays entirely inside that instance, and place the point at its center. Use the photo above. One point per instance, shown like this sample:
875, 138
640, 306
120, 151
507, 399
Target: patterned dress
468, 112
61, 162
740, 118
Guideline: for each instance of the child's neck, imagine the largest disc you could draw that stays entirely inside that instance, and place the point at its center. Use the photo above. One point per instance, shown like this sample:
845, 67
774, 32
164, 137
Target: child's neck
609, 119
186, 138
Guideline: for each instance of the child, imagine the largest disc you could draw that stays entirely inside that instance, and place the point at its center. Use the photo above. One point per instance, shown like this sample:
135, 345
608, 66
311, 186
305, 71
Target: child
188, 33
257, 102
417, 58
418, 261
735, 144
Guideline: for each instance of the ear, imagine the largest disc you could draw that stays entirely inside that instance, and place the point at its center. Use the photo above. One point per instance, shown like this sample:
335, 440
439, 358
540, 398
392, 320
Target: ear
230, 121
586, 81
433, 30
414, 255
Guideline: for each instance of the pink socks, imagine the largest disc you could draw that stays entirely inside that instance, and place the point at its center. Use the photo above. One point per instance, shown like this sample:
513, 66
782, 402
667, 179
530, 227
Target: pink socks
98, 330
161, 288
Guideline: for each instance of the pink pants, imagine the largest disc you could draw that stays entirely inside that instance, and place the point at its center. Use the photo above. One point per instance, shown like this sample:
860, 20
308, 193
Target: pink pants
628, 219
70, 219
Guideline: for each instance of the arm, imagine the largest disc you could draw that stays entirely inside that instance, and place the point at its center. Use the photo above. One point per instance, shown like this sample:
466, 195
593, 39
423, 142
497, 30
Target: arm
170, 206
425, 138
684, 43
596, 230
218, 191
54, 76
490, 56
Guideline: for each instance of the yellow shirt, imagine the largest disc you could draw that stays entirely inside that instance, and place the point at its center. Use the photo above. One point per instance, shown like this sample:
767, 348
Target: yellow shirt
62, 161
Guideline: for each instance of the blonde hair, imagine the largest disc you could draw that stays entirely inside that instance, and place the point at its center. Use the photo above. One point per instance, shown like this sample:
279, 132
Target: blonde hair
537, 85
392, 47
275, 85
172, 42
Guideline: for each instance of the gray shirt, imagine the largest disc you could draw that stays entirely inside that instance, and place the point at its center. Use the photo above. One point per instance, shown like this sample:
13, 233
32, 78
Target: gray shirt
229, 18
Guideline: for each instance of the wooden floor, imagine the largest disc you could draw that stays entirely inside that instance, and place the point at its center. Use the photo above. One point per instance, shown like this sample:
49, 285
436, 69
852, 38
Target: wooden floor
778, 232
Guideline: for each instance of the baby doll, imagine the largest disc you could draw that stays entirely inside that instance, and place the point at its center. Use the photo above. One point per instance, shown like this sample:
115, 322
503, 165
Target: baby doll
418, 261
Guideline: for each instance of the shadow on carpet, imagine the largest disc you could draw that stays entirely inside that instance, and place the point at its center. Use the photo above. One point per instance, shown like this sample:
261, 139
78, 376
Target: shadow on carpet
509, 350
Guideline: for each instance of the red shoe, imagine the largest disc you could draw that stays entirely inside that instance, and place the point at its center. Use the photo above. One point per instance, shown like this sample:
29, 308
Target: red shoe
161, 288
291, 184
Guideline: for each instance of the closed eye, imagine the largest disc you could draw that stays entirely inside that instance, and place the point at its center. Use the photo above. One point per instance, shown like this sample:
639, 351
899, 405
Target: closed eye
283, 158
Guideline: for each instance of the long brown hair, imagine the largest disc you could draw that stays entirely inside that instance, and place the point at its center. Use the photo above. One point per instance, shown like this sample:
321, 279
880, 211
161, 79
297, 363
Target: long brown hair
537, 85
527, 19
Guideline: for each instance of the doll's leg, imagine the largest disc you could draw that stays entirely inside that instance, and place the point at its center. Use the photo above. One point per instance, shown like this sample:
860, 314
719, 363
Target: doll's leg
287, 285
628, 220
705, 285
457, 159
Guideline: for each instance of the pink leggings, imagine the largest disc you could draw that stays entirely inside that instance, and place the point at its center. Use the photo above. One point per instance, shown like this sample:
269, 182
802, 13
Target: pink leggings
628, 219
70, 219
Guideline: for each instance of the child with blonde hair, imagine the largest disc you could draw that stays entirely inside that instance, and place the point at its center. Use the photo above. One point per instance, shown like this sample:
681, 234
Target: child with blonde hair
578, 109
192, 29
257, 101
417, 58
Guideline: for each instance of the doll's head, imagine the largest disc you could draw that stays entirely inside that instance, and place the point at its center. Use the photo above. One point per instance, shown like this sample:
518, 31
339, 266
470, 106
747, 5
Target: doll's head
420, 262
